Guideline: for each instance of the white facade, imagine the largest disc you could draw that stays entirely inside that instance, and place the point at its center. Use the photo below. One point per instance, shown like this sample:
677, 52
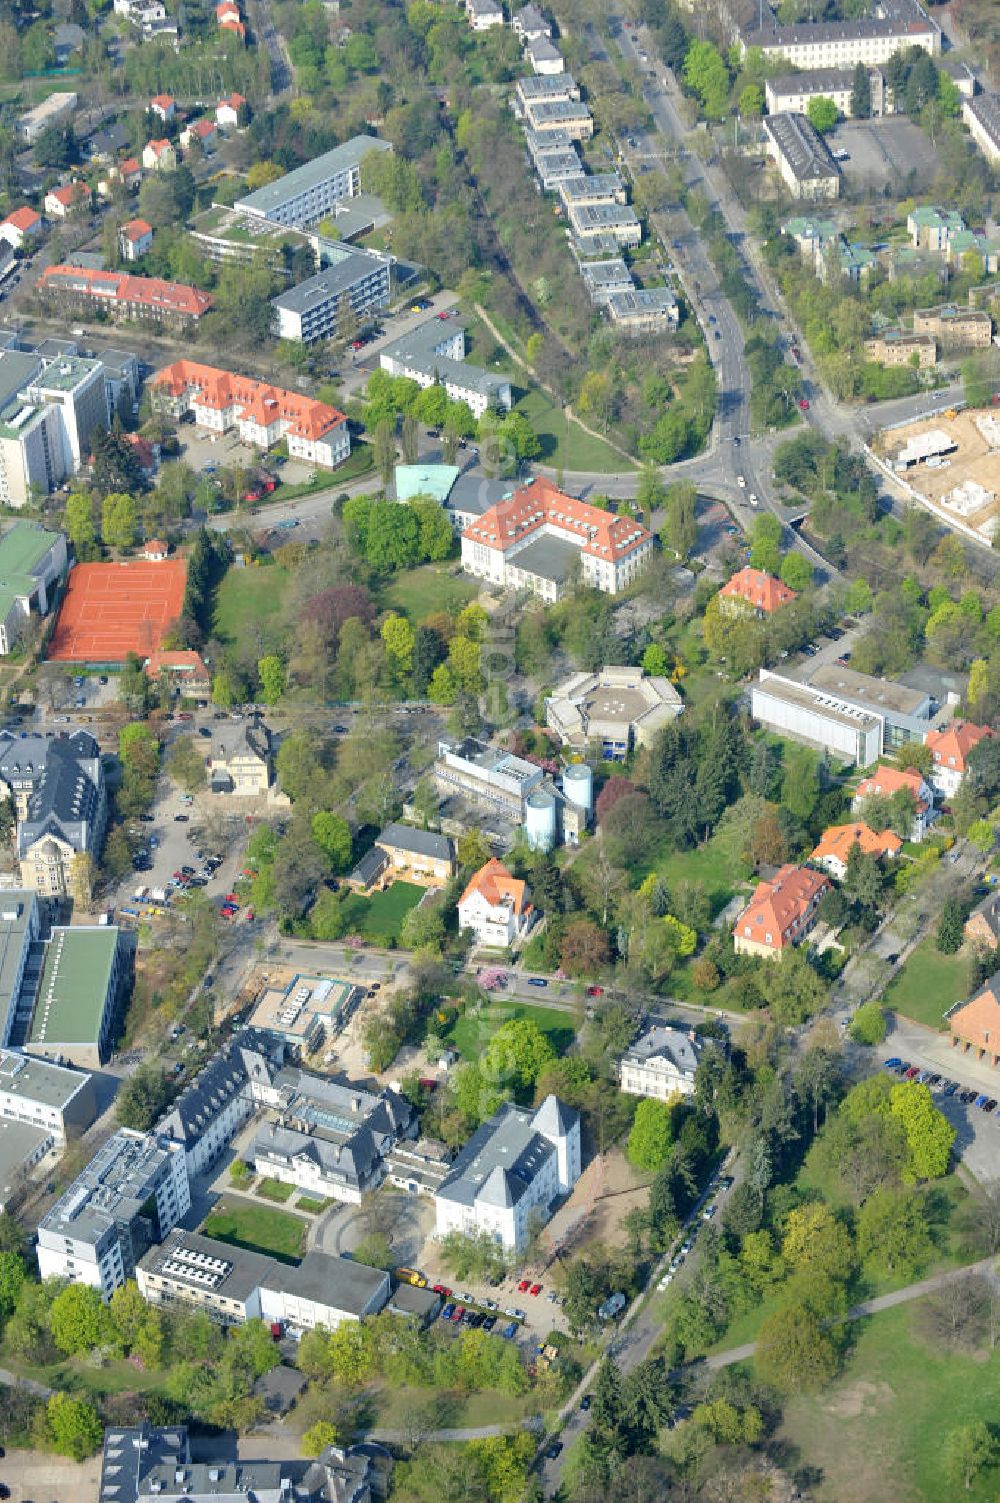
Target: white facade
843, 44
47, 1096
816, 718
661, 1063
982, 116
483, 15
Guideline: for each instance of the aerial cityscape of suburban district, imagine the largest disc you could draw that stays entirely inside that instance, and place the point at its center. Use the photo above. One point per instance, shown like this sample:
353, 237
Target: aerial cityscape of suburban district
499, 751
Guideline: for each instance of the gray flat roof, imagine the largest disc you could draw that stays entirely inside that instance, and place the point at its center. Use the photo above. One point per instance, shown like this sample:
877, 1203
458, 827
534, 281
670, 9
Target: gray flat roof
642, 300
37, 1080
331, 281
804, 697
550, 558
112, 1187
15, 915
339, 1282
422, 842
18, 1142
814, 81
271, 197
878, 693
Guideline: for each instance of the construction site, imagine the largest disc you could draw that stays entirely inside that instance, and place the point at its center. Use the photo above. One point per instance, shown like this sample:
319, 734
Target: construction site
951, 463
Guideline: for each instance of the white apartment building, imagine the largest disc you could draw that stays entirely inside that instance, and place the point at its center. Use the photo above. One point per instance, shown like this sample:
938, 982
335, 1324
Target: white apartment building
56, 1100
982, 116
513, 1169
356, 284
434, 354
207, 1115
308, 193
49, 412
842, 44
483, 15
661, 1063
495, 907
802, 157
133, 1191
794, 92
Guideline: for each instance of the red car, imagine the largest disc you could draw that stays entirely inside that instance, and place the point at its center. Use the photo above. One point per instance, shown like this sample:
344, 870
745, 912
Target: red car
535, 1289
524, 1286
803, 404
458, 1312
443, 1290
359, 344
233, 899
912, 1072
184, 715
595, 991
443, 315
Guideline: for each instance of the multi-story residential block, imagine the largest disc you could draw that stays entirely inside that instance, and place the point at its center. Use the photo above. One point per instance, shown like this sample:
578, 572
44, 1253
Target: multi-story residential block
66, 809
604, 279
234, 1284
240, 760
353, 286
20, 941
837, 842
802, 157
123, 296
901, 347
615, 709
495, 906
330, 1137
412, 855
644, 310
753, 592
49, 1103
529, 24
566, 116
153, 1462
237, 1081
955, 328
898, 24
810, 235
532, 540
885, 781
544, 56
794, 92
262, 414
931, 228
434, 354
593, 188
982, 116
661, 1062
620, 221
306, 195
32, 562
532, 91
781, 912
84, 974
511, 1171
21, 226
133, 1191
950, 748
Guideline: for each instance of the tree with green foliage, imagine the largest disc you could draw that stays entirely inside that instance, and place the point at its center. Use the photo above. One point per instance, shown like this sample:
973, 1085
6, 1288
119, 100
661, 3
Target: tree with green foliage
273, 678
794, 1354
967, 1451
142, 1098
861, 93
800, 787
751, 103
706, 75
817, 1243
81, 529
652, 1135
73, 1426
950, 933
319, 1435
929, 1134
119, 520
892, 1233
823, 114
796, 572
868, 1026
517, 1054
765, 543
332, 834
398, 636
681, 530
78, 1319
185, 764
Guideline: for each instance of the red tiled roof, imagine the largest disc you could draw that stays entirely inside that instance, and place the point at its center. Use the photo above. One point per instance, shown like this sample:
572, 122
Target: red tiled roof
541, 504
69, 193
190, 663
885, 781
159, 146
231, 24
951, 747
202, 128
23, 218
129, 166
257, 401
782, 907
137, 229
754, 587
120, 287
165, 101
837, 841
234, 100
496, 884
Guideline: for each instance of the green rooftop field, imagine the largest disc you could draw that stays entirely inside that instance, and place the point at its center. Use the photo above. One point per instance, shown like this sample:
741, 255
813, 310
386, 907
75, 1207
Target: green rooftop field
74, 986
257, 1228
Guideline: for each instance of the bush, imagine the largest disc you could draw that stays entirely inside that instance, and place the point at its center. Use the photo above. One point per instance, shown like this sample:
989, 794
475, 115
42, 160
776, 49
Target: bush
868, 1026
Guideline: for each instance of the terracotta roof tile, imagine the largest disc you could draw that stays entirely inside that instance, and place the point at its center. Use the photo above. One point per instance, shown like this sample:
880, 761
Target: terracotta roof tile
754, 587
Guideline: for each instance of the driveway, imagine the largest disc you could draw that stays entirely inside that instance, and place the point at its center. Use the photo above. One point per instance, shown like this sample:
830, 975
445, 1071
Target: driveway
978, 1140
49, 1479
410, 1219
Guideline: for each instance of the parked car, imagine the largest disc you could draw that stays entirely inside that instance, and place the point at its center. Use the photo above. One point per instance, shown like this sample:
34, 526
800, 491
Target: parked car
535, 1290
457, 1313
523, 1286
586, 1402
892, 1064
537, 981
554, 1450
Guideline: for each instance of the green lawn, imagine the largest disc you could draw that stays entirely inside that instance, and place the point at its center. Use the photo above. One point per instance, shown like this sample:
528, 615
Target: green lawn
424, 591
471, 1031
245, 595
394, 1405
273, 1189
311, 1206
565, 445
879, 1432
257, 1228
929, 984
381, 916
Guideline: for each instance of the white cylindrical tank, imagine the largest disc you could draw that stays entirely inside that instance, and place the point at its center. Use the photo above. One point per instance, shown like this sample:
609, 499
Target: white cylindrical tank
540, 821
578, 786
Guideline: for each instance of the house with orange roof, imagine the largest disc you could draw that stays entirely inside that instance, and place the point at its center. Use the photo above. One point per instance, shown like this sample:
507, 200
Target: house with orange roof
754, 591
187, 671
975, 1025
59, 201
885, 781
128, 173
950, 749
262, 414
532, 539
780, 913
227, 111
837, 842
495, 906
200, 131
159, 156
123, 296
21, 225
164, 106
134, 239
231, 23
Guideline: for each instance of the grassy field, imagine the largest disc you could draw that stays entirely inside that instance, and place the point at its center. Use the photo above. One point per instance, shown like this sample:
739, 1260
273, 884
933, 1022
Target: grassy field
393, 1405
245, 596
565, 444
381, 916
260, 1229
311, 1206
471, 1031
274, 1189
879, 1431
421, 592
928, 985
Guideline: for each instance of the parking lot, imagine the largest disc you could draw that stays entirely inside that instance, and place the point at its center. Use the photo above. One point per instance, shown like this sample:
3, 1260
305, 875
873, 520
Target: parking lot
219, 451
978, 1131
883, 151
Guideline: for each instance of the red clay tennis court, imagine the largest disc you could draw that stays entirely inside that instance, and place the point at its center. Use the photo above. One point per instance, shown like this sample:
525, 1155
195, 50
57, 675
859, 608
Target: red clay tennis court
110, 610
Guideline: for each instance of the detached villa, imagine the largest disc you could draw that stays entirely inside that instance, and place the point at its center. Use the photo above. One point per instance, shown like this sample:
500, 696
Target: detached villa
495, 906
780, 913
